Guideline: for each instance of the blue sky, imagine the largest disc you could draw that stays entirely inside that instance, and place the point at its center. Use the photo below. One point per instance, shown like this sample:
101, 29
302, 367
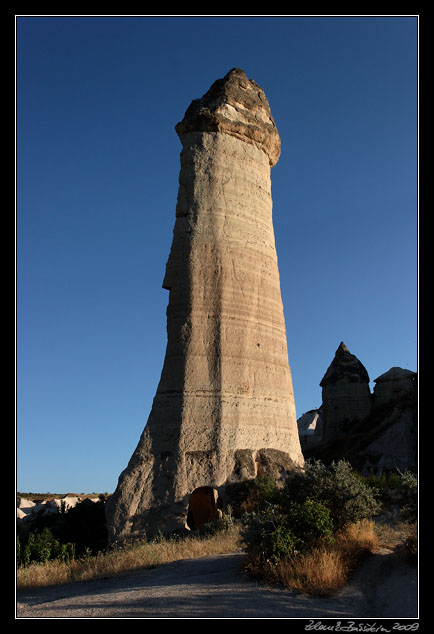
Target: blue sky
97, 101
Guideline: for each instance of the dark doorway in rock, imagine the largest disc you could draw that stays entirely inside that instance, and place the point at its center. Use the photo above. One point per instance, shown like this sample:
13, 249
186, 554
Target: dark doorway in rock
203, 507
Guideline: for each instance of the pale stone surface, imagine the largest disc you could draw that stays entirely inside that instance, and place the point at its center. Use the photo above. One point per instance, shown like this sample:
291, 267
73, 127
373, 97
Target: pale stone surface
224, 408
23, 503
23, 513
26, 509
309, 423
310, 429
69, 501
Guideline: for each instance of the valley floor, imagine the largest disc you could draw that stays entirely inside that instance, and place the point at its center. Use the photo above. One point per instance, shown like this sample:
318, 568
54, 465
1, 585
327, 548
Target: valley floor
214, 587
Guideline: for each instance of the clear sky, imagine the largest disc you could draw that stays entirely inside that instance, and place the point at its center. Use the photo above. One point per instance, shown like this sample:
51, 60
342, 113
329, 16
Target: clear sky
97, 101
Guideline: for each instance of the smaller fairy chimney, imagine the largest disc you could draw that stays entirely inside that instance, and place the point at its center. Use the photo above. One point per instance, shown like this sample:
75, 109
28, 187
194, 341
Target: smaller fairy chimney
346, 397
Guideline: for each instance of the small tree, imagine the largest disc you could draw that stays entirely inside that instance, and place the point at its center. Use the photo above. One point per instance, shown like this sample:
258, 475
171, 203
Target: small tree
253, 495
408, 494
41, 547
275, 533
337, 487
311, 521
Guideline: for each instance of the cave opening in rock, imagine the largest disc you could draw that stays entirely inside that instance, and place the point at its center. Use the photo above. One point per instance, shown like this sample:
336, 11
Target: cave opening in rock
203, 506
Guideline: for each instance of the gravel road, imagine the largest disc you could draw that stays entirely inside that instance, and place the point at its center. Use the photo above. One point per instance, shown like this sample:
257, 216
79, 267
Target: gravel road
216, 588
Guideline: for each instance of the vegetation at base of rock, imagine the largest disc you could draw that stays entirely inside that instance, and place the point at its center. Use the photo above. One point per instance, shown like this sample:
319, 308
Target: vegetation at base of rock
408, 493
337, 486
223, 524
321, 569
314, 505
125, 559
42, 547
397, 488
251, 495
307, 534
276, 532
82, 528
311, 533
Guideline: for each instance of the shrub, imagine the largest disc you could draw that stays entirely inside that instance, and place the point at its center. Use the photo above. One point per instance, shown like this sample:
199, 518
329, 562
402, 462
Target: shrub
337, 487
223, 524
252, 495
397, 488
265, 535
311, 522
42, 547
408, 493
383, 482
275, 533
324, 569
85, 526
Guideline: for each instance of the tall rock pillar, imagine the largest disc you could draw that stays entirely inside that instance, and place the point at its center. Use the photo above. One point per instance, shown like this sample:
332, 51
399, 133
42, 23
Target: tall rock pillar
224, 408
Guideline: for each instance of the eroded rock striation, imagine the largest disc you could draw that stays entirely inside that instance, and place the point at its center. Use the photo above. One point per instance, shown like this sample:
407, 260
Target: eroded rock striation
224, 408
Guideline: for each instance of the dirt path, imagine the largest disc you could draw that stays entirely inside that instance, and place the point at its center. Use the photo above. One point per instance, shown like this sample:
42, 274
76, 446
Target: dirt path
215, 588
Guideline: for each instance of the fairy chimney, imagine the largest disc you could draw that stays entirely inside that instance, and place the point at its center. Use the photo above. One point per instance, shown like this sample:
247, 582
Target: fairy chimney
346, 397
224, 408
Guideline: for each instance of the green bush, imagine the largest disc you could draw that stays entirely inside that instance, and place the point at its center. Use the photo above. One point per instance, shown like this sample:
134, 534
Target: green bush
382, 482
280, 543
397, 488
337, 487
275, 533
311, 521
223, 524
41, 547
253, 495
266, 536
408, 495
84, 525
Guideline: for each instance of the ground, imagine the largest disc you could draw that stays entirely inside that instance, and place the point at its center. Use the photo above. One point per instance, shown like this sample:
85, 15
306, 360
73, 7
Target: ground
384, 586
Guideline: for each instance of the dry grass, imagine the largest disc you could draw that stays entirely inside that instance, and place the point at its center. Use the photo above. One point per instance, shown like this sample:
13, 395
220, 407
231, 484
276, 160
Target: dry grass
319, 572
325, 569
125, 560
402, 537
392, 533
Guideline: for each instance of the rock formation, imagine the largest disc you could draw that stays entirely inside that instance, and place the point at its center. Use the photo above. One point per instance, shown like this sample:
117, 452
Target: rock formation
393, 385
346, 397
310, 428
28, 510
375, 432
224, 408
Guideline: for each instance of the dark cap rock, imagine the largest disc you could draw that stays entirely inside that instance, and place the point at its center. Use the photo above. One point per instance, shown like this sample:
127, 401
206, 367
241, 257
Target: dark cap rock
237, 106
345, 368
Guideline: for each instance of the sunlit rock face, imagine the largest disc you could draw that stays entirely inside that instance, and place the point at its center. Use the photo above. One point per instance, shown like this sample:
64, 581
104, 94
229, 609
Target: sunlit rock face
224, 408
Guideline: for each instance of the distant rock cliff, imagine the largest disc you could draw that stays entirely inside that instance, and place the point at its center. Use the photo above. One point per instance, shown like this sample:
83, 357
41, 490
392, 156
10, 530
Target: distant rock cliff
375, 431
